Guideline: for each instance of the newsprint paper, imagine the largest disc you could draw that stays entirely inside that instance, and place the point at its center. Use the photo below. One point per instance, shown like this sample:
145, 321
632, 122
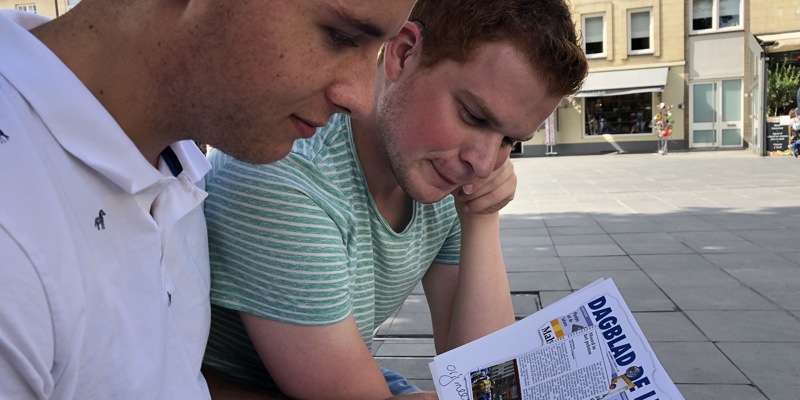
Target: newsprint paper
585, 346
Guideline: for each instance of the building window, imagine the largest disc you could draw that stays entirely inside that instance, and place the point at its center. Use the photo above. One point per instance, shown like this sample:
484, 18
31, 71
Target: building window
640, 32
715, 14
31, 8
619, 115
72, 3
729, 13
594, 33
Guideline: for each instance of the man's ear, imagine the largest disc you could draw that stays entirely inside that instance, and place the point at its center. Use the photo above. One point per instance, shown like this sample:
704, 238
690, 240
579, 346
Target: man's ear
402, 52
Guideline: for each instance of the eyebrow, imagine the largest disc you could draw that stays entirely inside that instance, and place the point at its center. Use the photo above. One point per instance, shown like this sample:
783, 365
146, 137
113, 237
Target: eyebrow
487, 113
356, 23
482, 107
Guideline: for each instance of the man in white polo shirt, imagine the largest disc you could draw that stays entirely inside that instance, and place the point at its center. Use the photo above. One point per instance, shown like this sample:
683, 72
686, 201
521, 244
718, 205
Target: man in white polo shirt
104, 280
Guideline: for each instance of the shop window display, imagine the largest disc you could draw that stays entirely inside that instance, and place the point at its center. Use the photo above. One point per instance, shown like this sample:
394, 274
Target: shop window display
618, 115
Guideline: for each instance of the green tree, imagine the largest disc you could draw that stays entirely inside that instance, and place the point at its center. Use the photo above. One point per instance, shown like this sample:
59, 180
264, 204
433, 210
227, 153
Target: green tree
782, 83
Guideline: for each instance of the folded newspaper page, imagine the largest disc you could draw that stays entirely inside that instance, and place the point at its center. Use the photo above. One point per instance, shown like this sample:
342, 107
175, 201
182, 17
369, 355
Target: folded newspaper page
585, 346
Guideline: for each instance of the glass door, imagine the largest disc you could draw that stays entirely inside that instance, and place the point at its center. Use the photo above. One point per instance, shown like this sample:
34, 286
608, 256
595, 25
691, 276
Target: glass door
716, 114
731, 113
704, 116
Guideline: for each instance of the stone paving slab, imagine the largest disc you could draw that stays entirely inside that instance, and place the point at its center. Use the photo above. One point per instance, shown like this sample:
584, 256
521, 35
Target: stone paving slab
537, 281
764, 326
720, 392
697, 362
774, 366
602, 263
704, 246
653, 262
541, 264
736, 298
672, 326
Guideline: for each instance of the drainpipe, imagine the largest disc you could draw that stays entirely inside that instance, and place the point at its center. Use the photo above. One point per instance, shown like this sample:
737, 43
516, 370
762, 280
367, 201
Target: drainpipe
56, 3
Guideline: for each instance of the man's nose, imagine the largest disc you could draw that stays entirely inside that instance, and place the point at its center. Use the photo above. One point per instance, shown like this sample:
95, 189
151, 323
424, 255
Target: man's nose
484, 156
352, 92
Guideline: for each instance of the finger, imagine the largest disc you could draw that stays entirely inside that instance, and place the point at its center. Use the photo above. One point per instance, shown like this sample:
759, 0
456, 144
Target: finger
494, 200
482, 186
416, 396
489, 203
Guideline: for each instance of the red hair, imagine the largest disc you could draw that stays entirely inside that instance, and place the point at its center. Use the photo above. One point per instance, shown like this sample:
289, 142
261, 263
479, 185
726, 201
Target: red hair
541, 30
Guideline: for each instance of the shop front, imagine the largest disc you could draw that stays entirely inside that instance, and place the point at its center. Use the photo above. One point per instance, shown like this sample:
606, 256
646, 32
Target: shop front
615, 112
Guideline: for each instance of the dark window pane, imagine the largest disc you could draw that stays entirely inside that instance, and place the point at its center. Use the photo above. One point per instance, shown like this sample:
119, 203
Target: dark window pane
640, 43
701, 23
594, 48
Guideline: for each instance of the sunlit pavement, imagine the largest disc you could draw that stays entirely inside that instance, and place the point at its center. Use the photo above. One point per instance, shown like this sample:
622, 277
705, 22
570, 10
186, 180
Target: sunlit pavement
704, 246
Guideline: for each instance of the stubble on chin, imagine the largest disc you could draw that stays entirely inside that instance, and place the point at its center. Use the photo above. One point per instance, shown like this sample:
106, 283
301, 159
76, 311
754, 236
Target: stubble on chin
263, 153
252, 146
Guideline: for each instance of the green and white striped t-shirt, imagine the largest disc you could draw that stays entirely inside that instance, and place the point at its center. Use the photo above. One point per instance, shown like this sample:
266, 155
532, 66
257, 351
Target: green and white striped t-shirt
301, 241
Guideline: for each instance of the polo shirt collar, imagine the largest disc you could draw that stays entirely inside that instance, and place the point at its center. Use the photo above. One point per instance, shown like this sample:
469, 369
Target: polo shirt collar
73, 115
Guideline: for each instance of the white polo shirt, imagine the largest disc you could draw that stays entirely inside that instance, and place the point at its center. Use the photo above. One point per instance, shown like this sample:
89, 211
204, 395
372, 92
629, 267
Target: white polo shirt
104, 279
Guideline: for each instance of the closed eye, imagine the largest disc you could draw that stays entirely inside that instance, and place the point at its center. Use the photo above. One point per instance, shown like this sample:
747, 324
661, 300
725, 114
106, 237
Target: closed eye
339, 39
470, 117
474, 120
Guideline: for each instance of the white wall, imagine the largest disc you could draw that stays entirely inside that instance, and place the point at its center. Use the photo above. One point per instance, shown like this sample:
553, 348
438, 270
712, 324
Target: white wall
718, 55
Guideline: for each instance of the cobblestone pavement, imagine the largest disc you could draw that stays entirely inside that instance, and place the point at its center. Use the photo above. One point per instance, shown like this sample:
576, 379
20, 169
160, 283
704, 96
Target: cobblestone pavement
704, 246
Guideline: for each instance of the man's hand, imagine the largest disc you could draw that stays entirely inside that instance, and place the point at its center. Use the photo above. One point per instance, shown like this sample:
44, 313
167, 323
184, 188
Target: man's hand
416, 396
488, 196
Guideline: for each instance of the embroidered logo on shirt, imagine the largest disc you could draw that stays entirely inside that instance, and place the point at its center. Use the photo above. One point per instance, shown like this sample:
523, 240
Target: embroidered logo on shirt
99, 222
3, 137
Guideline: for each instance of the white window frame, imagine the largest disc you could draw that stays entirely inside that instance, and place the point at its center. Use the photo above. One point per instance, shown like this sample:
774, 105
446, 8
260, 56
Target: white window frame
715, 19
29, 7
72, 3
602, 17
648, 50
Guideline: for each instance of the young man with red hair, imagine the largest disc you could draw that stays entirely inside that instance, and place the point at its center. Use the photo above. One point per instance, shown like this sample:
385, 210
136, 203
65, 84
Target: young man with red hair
311, 254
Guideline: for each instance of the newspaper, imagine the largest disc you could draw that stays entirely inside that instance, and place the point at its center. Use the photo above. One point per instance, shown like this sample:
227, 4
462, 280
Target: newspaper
585, 346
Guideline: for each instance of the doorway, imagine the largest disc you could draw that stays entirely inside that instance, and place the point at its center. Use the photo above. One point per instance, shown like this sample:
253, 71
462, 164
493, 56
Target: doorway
716, 114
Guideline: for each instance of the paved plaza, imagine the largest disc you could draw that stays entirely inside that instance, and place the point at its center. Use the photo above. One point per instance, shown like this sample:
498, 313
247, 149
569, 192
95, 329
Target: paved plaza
704, 246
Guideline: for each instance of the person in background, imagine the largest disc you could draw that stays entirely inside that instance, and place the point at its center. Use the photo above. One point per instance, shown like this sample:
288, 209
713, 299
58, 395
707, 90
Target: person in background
794, 132
797, 102
311, 254
103, 241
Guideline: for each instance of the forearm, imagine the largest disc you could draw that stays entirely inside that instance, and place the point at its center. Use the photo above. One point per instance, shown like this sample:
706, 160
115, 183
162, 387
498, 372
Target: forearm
482, 300
317, 362
223, 389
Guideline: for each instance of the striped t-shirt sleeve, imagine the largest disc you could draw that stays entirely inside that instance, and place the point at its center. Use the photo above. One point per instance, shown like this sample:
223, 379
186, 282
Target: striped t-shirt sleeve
275, 253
